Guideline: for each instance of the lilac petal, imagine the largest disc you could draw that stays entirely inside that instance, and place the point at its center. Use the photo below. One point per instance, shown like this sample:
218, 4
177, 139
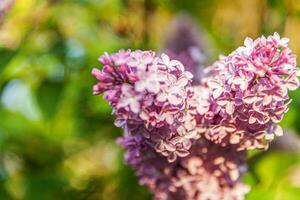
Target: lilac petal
213, 84
183, 81
177, 64
144, 116
172, 157
154, 87
188, 75
161, 97
181, 131
217, 92
252, 119
248, 42
133, 63
159, 147
169, 119
230, 108
191, 134
186, 144
96, 72
202, 109
182, 153
278, 131
170, 147
238, 80
276, 119
135, 106
174, 100
235, 139
234, 174
222, 102
269, 136
292, 84
139, 86
126, 88
267, 100
230, 128
257, 106
249, 99
189, 125
165, 58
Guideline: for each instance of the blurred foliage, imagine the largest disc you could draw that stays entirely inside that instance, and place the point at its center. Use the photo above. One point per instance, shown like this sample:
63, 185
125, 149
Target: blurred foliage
57, 141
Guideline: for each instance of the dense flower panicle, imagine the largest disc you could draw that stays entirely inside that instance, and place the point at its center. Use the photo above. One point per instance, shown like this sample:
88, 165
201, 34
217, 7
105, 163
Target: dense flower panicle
249, 92
189, 141
209, 172
152, 95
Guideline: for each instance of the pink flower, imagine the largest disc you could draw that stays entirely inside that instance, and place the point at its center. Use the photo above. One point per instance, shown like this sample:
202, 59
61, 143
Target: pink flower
218, 87
122, 57
173, 65
189, 142
129, 99
141, 59
200, 99
250, 88
219, 132
282, 42
148, 82
243, 79
227, 105
247, 49
173, 90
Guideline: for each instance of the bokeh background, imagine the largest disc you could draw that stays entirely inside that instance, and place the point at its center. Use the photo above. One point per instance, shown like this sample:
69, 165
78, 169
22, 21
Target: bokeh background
57, 140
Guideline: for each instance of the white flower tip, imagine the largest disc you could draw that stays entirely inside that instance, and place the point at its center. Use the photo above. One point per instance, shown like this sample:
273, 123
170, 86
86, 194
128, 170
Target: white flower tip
276, 35
278, 131
165, 57
95, 71
248, 42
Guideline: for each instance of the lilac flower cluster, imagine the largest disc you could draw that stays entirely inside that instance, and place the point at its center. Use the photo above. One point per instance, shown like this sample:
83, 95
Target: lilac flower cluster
151, 94
249, 93
209, 172
188, 141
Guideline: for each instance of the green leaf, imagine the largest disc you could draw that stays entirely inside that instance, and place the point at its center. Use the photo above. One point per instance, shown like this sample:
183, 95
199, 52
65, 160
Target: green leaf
48, 97
6, 56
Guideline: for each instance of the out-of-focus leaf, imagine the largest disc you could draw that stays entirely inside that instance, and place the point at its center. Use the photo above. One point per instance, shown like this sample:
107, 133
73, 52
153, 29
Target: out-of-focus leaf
48, 97
6, 56
270, 169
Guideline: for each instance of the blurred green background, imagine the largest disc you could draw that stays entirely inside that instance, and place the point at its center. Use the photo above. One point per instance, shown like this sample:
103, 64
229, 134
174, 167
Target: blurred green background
57, 140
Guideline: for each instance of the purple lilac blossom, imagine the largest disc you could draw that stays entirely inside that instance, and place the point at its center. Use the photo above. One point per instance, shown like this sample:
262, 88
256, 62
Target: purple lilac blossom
209, 172
189, 142
153, 94
249, 92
